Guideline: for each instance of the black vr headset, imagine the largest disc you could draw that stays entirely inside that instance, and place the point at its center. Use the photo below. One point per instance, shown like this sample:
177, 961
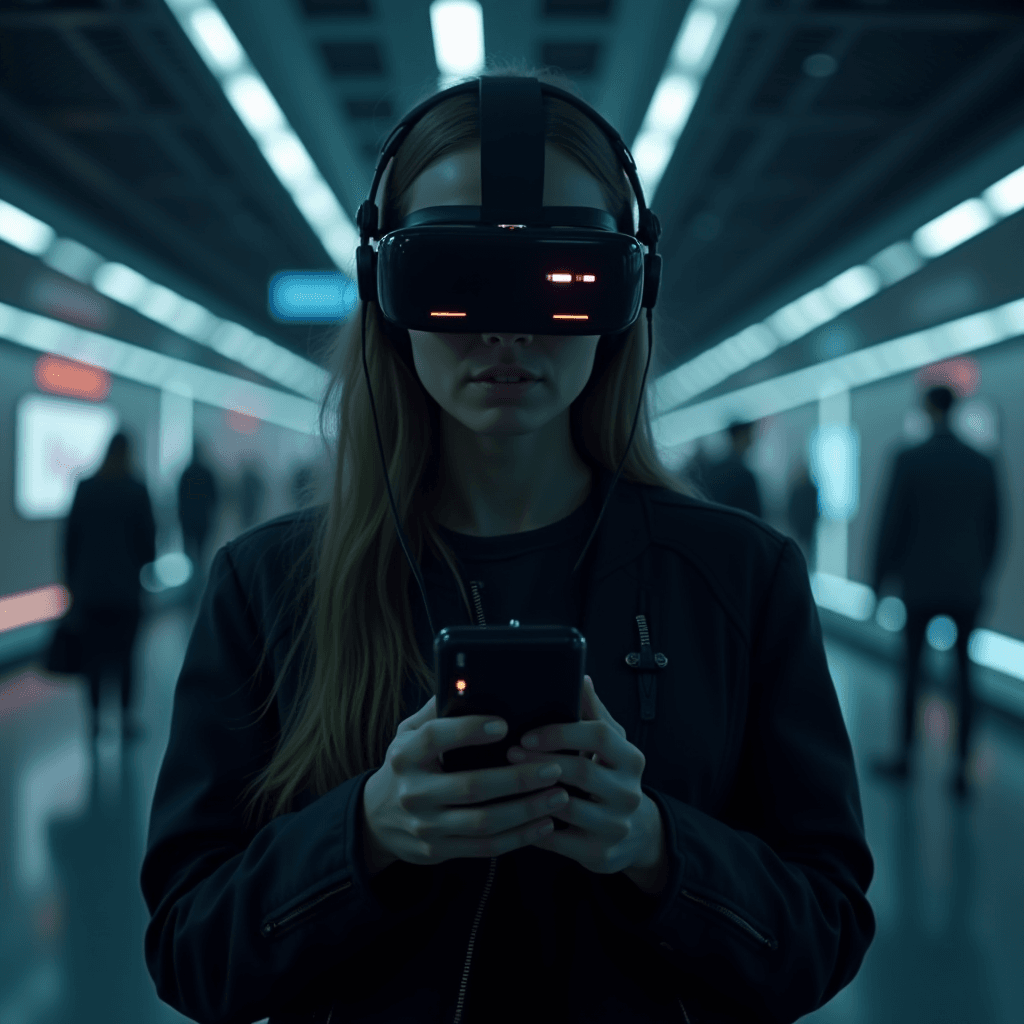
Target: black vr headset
510, 264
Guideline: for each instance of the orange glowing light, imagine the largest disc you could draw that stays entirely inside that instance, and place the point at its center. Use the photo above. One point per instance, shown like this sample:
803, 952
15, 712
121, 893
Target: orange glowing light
447, 314
570, 316
460, 685
559, 277
68, 377
585, 277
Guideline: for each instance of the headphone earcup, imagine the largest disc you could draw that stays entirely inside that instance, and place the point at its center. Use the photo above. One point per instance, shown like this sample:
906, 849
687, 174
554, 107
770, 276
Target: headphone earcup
652, 279
366, 272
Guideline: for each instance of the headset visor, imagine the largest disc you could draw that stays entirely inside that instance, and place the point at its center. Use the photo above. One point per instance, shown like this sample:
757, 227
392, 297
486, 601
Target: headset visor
472, 279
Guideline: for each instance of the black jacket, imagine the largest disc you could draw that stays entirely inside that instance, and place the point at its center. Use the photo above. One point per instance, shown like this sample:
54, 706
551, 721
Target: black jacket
940, 523
110, 536
764, 917
729, 482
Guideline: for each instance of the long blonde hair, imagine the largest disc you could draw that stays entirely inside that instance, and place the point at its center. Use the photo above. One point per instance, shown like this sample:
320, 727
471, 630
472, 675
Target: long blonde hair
356, 638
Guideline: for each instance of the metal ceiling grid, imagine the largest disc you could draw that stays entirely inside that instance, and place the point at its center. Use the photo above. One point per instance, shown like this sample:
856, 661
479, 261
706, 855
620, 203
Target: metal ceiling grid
784, 161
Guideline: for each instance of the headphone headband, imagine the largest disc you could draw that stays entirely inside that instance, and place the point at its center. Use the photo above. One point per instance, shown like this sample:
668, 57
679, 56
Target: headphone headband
648, 229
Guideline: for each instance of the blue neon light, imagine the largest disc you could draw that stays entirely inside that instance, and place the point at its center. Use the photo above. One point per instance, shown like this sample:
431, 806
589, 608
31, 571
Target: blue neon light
304, 296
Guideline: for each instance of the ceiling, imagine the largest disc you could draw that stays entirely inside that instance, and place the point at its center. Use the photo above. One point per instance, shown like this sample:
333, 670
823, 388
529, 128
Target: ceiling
105, 106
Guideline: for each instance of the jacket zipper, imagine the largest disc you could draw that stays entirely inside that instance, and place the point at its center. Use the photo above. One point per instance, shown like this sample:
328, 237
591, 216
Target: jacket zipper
770, 943
472, 939
272, 926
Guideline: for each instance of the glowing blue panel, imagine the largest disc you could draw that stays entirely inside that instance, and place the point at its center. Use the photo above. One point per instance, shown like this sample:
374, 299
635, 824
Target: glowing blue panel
303, 296
835, 450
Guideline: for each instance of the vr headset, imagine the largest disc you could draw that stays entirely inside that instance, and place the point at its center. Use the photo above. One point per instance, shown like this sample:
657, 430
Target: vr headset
510, 264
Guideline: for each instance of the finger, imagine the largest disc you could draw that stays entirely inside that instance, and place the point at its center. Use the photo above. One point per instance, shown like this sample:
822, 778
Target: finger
589, 738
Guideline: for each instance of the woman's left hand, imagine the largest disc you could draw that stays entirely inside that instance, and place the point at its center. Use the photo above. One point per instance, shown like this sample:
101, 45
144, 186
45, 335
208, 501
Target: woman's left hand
613, 830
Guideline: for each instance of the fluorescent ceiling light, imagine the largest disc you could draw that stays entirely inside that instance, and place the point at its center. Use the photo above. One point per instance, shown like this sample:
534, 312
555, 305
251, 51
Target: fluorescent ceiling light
854, 600
1006, 196
259, 111
994, 650
458, 30
693, 52
213, 36
24, 231
965, 221
156, 370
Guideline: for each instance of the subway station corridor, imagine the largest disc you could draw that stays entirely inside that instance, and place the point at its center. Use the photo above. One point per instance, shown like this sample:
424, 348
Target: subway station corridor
947, 892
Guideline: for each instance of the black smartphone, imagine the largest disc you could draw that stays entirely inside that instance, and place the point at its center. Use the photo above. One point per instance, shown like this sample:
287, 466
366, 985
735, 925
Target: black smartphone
528, 675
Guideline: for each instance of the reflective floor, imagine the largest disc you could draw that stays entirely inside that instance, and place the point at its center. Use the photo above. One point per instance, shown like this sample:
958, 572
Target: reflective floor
948, 890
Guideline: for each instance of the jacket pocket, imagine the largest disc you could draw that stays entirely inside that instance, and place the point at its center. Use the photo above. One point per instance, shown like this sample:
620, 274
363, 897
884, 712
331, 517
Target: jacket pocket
750, 930
274, 926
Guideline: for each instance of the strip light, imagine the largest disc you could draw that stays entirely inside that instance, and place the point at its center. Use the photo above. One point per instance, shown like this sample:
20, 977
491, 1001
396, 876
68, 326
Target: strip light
674, 429
161, 304
458, 30
156, 370
694, 51
255, 105
843, 292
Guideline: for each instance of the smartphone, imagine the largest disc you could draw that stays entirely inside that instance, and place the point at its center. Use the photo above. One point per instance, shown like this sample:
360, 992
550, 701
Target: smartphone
528, 675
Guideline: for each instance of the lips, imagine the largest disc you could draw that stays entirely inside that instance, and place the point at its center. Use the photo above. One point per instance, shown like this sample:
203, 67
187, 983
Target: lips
516, 373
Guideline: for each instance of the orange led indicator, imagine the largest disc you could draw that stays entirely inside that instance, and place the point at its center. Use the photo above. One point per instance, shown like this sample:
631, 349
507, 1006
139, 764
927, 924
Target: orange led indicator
447, 314
570, 316
460, 685
560, 277
585, 277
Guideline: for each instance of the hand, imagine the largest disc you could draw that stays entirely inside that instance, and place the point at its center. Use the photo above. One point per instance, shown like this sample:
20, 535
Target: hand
415, 811
618, 827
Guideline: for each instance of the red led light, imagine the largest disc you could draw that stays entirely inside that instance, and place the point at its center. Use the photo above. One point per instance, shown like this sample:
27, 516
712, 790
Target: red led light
447, 314
570, 316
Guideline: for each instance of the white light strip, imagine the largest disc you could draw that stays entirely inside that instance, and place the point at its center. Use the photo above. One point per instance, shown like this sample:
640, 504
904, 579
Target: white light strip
458, 30
693, 52
848, 289
166, 307
157, 370
255, 105
675, 429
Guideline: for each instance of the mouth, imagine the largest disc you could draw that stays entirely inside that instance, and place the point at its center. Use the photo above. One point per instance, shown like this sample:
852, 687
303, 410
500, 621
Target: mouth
506, 377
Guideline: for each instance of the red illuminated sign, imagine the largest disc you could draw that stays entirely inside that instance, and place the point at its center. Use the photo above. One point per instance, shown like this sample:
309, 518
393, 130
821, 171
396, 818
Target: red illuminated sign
68, 377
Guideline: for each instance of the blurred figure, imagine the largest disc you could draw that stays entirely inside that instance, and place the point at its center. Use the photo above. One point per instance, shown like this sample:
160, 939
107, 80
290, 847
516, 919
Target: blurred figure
802, 511
197, 499
302, 486
729, 482
937, 537
251, 490
110, 536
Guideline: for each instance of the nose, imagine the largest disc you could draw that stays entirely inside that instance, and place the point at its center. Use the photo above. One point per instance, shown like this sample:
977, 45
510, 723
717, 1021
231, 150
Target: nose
506, 339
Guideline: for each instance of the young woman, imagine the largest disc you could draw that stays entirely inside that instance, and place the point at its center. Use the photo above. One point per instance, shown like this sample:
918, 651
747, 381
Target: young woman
309, 859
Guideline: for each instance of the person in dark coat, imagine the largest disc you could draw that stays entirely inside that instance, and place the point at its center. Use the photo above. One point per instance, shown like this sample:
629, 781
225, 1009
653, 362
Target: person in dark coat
110, 536
197, 500
729, 482
802, 511
938, 537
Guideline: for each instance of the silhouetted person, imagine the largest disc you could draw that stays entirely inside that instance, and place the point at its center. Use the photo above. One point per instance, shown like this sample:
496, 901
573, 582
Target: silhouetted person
110, 536
197, 500
802, 511
729, 482
251, 489
938, 537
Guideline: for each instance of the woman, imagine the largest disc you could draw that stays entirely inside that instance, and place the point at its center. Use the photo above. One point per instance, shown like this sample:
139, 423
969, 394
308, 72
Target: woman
308, 858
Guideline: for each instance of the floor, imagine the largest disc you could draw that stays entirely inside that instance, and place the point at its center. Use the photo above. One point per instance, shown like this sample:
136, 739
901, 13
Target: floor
948, 891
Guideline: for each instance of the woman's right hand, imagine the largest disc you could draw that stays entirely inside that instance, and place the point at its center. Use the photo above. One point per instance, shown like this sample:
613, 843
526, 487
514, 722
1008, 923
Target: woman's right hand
415, 811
